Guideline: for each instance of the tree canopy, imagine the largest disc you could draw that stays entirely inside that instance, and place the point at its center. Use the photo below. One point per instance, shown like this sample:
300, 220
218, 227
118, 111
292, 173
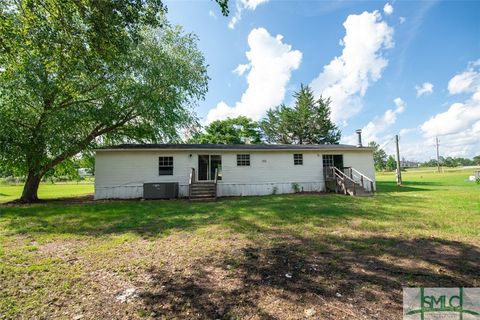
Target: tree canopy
223, 6
238, 130
307, 122
379, 156
390, 164
451, 162
74, 73
476, 159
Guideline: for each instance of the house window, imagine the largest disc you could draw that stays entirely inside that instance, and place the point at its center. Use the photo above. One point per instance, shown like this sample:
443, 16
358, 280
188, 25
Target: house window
298, 159
243, 159
165, 166
328, 160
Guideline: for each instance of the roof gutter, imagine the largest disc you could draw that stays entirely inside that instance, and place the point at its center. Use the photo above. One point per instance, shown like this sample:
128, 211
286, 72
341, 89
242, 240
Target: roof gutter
235, 149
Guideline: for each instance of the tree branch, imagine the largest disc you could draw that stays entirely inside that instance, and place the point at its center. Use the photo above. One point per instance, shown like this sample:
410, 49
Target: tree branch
68, 101
67, 104
96, 132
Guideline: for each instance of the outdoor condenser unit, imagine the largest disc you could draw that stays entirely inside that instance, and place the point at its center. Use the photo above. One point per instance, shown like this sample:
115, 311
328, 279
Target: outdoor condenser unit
160, 190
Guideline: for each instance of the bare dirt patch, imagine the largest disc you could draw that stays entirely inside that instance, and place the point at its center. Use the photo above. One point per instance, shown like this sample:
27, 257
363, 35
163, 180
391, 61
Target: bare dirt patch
280, 282
286, 279
186, 276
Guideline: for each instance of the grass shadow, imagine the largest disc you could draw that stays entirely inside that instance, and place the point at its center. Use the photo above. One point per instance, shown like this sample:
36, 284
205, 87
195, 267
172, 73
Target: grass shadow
155, 218
391, 186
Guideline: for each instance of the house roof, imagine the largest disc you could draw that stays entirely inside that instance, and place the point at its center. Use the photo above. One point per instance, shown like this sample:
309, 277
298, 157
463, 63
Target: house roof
252, 147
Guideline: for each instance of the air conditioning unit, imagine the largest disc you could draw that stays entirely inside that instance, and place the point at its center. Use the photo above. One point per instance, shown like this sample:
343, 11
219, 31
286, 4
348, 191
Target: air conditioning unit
160, 190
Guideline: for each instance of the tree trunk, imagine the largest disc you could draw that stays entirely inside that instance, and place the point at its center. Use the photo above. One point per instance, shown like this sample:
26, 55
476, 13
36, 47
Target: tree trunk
30, 188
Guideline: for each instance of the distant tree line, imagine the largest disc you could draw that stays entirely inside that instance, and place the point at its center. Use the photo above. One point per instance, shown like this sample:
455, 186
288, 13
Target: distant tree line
452, 162
384, 162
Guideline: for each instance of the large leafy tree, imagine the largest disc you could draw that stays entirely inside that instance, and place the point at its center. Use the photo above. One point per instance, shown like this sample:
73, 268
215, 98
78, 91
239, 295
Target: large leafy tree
379, 156
307, 122
391, 164
476, 159
77, 72
238, 130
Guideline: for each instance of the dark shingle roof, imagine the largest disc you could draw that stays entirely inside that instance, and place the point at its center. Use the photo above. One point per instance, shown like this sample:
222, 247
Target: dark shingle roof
234, 147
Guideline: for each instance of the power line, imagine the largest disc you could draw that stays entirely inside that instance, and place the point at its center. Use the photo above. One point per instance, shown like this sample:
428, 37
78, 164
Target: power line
386, 143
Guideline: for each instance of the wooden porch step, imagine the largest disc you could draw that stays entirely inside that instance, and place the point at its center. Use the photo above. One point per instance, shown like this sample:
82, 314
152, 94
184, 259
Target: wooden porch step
203, 191
196, 187
359, 190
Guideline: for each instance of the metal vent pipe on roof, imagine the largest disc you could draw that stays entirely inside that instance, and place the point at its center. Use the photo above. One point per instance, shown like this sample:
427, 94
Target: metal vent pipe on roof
359, 136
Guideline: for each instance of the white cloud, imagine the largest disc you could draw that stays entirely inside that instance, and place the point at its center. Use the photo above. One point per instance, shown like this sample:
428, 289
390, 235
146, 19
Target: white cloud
347, 77
242, 5
212, 14
425, 88
380, 124
241, 69
406, 131
474, 63
459, 126
400, 104
458, 117
402, 20
461, 144
271, 63
252, 4
375, 129
388, 8
467, 81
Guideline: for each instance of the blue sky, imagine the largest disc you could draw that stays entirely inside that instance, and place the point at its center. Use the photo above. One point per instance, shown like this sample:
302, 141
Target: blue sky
402, 67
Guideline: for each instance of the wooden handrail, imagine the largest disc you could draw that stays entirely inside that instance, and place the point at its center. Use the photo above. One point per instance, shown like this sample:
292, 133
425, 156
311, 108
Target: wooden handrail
341, 173
215, 181
361, 174
364, 177
192, 176
191, 180
353, 176
342, 176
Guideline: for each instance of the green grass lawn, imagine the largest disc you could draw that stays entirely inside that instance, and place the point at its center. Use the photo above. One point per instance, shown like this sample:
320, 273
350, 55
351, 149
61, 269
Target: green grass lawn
47, 191
252, 257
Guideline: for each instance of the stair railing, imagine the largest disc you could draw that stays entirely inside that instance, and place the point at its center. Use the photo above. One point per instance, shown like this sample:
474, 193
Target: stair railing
342, 177
328, 173
348, 171
363, 180
191, 181
216, 181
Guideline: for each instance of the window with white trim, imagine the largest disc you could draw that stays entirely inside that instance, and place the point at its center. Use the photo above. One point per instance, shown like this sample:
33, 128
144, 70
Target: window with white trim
298, 159
243, 160
165, 166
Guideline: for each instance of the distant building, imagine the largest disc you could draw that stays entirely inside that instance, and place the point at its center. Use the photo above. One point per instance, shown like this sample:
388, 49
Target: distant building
84, 172
409, 164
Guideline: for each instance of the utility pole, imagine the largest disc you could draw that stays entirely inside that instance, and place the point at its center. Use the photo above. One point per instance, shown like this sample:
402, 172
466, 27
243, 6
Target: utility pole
399, 172
438, 154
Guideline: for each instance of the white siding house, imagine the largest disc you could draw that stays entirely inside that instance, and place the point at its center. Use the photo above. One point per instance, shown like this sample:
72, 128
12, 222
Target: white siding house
121, 171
